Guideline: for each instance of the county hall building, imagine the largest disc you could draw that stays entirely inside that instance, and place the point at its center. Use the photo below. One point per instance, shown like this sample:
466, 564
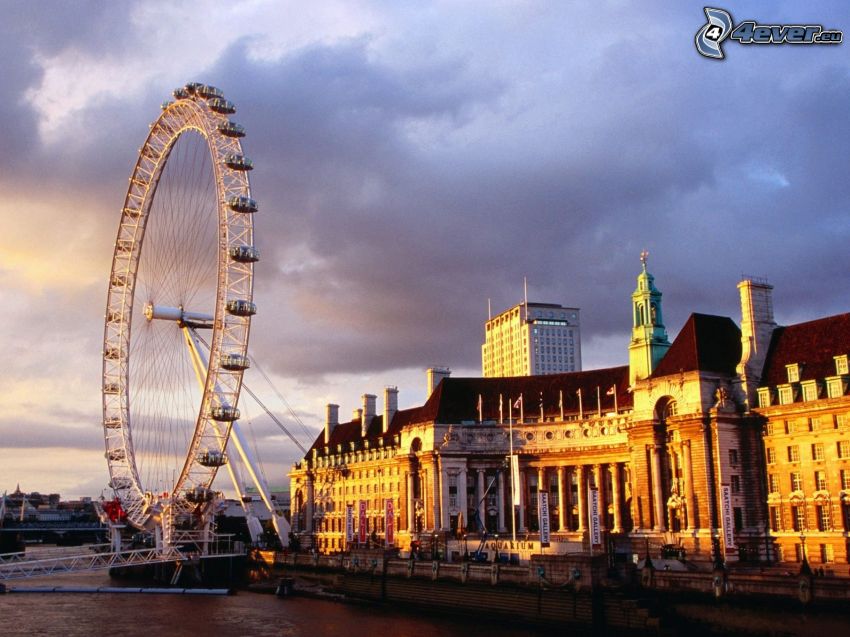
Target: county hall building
732, 441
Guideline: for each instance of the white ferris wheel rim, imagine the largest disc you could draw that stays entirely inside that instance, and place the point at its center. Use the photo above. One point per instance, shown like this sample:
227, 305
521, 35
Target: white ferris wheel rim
201, 109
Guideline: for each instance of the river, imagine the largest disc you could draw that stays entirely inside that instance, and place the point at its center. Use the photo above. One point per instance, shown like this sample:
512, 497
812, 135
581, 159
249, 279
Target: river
245, 613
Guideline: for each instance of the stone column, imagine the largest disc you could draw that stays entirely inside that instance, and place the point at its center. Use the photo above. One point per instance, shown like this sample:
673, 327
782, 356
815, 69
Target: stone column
500, 502
435, 489
690, 505
657, 490
562, 499
523, 498
308, 508
582, 499
615, 494
444, 499
482, 512
462, 503
411, 508
598, 479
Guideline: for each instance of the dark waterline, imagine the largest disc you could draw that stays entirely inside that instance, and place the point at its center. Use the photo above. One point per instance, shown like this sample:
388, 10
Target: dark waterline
246, 613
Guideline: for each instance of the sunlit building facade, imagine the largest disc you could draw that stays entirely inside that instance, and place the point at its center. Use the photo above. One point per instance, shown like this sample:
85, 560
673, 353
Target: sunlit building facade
532, 339
729, 442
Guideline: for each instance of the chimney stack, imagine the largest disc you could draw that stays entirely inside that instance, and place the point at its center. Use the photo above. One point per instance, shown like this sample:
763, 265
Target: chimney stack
390, 406
357, 414
368, 412
331, 420
757, 327
435, 375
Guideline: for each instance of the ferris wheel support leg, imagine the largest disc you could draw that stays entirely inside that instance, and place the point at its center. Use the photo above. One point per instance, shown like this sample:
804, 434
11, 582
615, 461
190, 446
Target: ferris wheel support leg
281, 526
199, 364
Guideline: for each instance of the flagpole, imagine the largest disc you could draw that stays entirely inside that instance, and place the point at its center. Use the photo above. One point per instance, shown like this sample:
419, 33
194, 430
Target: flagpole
511, 473
598, 402
541, 407
580, 408
521, 408
480, 409
561, 403
616, 409
501, 417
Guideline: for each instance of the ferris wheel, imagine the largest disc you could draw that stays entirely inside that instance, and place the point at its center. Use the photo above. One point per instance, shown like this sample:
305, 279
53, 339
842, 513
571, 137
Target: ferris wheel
178, 311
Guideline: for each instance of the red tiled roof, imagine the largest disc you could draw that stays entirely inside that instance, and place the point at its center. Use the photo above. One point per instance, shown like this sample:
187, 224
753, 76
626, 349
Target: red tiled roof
456, 399
707, 343
811, 344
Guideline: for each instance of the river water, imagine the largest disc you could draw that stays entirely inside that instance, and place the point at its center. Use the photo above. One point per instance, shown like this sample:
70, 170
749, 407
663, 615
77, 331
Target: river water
246, 613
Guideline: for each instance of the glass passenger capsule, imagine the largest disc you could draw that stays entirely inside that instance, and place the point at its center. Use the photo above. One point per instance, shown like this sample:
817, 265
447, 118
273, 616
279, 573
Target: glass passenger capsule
207, 91
116, 454
191, 87
244, 254
212, 458
165, 105
180, 93
111, 388
112, 353
224, 413
235, 362
120, 483
241, 203
231, 129
222, 106
238, 162
200, 494
241, 307
112, 423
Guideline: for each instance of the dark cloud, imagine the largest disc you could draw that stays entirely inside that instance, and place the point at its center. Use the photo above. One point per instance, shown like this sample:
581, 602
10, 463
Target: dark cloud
401, 188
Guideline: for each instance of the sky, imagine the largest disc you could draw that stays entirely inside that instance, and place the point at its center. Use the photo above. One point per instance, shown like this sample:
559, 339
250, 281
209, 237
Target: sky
412, 161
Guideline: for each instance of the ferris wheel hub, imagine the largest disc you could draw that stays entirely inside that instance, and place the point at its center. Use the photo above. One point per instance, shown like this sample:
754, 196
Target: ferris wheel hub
177, 314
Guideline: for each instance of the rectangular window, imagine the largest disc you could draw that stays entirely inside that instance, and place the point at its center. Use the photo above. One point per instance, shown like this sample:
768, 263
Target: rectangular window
845, 479
771, 455
793, 453
798, 552
733, 456
844, 448
798, 516
793, 371
824, 523
774, 519
820, 480
810, 390
736, 484
796, 481
817, 451
738, 512
827, 553
786, 395
789, 427
773, 483
768, 429
841, 421
834, 387
841, 365
845, 517
764, 396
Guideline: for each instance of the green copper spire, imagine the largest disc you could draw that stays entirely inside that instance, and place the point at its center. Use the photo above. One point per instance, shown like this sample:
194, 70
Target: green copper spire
649, 338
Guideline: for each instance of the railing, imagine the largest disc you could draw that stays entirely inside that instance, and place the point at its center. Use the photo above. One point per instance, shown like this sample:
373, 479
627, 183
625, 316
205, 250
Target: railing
21, 565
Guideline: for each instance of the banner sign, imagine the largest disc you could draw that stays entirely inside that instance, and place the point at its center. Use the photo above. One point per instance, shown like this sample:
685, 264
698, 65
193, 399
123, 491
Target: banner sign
515, 483
543, 516
728, 518
595, 532
361, 526
389, 522
349, 524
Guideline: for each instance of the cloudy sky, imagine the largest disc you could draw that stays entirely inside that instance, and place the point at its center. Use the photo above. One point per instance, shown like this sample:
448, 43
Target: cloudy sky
412, 160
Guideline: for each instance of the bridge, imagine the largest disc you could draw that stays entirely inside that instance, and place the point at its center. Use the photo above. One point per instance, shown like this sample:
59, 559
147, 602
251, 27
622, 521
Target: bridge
103, 557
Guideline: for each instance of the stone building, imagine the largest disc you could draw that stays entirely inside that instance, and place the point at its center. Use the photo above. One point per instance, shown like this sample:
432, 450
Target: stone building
729, 443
